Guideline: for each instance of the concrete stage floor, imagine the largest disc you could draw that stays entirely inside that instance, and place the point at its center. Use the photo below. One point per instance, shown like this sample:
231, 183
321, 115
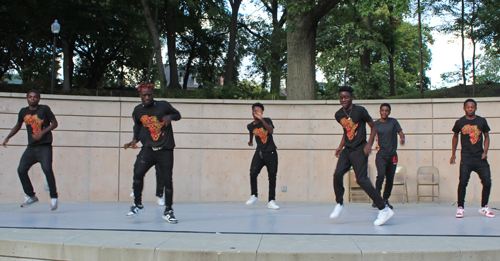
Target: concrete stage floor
424, 219
234, 231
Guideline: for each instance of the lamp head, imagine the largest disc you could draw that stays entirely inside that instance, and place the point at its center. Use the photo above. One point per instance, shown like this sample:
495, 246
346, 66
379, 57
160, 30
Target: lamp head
55, 27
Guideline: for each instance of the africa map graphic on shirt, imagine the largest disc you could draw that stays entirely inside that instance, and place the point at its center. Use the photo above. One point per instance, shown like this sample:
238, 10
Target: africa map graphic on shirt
34, 122
473, 131
350, 127
261, 133
154, 126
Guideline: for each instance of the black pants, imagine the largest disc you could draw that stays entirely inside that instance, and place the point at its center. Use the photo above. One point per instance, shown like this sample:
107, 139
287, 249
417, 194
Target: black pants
31, 156
482, 168
359, 161
163, 160
386, 168
160, 187
261, 159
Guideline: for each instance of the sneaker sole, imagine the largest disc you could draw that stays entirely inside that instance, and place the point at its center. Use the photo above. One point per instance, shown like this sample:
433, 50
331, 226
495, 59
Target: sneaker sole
27, 205
273, 208
170, 221
342, 212
392, 214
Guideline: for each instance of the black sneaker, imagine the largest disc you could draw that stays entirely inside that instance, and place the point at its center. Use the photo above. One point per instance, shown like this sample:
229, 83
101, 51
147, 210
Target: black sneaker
387, 203
29, 200
169, 216
134, 210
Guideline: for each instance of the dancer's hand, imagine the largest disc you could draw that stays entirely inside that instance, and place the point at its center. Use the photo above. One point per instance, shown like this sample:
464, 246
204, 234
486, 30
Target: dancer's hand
338, 151
132, 144
452, 159
250, 143
4, 143
484, 156
368, 149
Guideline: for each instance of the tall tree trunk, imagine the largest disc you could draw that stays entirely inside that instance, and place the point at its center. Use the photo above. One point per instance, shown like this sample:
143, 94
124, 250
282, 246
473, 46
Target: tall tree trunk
473, 38
171, 45
156, 40
366, 54
301, 49
229, 78
150, 64
463, 46
421, 80
392, 84
68, 64
276, 63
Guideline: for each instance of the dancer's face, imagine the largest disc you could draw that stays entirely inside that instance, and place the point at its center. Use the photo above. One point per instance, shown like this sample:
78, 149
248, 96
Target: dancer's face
385, 112
33, 99
470, 109
146, 97
345, 99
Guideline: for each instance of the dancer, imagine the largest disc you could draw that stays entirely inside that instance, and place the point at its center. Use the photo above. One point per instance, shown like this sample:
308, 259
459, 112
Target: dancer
156, 117
353, 151
40, 121
265, 154
472, 157
387, 157
160, 187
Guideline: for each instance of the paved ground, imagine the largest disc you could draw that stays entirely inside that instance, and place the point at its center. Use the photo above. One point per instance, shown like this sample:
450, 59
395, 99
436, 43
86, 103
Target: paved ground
233, 231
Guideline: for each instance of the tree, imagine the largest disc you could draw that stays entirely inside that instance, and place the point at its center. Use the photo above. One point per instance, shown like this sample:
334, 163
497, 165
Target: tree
153, 29
233, 30
303, 18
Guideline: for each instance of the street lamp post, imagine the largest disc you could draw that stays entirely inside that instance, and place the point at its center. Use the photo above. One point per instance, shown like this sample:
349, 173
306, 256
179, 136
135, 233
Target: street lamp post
55, 27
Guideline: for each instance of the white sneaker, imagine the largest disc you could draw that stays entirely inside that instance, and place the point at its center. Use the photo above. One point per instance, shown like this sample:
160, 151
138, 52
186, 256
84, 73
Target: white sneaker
487, 212
53, 204
160, 201
337, 211
272, 205
460, 212
253, 199
383, 215
132, 194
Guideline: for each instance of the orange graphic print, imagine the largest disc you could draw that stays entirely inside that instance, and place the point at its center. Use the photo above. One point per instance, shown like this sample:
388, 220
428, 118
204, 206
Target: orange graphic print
262, 133
350, 128
154, 126
473, 131
34, 122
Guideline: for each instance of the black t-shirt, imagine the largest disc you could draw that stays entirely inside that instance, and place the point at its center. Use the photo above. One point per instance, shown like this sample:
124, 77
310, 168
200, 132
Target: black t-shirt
151, 118
471, 137
354, 124
265, 141
36, 121
388, 136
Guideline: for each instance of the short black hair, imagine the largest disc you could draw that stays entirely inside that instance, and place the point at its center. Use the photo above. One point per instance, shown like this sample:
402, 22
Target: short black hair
258, 104
35, 91
386, 105
470, 100
346, 88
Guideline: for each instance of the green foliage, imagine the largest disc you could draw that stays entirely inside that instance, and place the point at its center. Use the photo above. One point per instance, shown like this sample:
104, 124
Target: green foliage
345, 28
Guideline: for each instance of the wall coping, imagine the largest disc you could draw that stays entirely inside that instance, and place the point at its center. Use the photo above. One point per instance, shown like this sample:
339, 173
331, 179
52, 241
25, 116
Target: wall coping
231, 101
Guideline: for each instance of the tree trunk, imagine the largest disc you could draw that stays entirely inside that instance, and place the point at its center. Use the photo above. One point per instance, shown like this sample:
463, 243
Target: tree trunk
463, 46
301, 49
421, 80
276, 63
473, 38
366, 54
156, 40
392, 84
231, 52
68, 64
150, 64
171, 45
